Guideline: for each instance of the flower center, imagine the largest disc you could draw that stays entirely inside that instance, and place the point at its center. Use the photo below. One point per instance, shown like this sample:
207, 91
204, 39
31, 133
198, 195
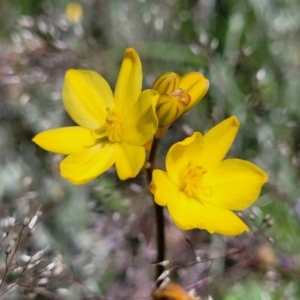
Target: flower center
192, 176
113, 125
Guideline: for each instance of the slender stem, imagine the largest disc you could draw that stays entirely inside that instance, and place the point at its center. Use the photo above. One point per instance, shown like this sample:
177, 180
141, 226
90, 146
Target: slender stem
8, 261
159, 214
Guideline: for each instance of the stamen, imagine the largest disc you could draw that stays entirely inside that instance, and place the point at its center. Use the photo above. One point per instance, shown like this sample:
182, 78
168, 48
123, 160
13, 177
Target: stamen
113, 125
192, 177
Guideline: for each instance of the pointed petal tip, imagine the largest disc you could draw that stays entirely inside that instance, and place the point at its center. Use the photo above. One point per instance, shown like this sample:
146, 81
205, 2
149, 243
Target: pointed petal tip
233, 231
152, 187
38, 139
234, 121
242, 229
130, 49
130, 53
264, 176
207, 83
34, 139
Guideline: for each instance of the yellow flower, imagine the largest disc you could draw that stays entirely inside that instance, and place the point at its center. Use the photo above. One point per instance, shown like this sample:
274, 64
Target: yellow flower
112, 128
201, 189
178, 95
73, 12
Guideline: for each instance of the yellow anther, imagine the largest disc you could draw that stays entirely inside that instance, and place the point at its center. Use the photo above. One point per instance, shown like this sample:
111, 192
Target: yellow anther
191, 179
113, 125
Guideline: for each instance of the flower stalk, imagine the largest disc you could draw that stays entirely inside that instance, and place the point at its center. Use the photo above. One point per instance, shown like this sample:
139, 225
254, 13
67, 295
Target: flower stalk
159, 214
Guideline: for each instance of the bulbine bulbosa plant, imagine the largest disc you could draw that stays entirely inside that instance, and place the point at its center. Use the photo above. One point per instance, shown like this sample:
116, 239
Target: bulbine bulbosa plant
199, 186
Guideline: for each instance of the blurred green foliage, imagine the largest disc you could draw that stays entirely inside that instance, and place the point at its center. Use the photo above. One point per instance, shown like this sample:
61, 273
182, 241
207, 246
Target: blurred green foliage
249, 50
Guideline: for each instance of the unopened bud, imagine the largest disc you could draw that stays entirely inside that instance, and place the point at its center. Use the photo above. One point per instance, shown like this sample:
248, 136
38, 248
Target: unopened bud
178, 95
171, 107
26, 221
267, 218
270, 223
32, 222
167, 83
240, 214
196, 85
34, 219
252, 216
161, 131
8, 250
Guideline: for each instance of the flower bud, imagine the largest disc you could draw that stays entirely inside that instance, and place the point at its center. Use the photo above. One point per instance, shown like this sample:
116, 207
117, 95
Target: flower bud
167, 83
8, 250
171, 107
178, 95
196, 85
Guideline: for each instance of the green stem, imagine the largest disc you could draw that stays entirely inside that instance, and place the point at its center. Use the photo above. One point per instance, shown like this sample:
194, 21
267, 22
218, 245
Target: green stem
159, 214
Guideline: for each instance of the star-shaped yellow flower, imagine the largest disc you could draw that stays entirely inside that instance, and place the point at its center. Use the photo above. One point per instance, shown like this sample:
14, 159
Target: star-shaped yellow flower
201, 189
112, 128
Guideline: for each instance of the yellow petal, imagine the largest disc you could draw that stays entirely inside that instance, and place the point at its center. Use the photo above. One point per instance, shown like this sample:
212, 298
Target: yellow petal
129, 160
129, 83
148, 145
167, 83
182, 153
80, 168
140, 123
188, 213
86, 95
65, 140
235, 184
162, 188
217, 142
196, 85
